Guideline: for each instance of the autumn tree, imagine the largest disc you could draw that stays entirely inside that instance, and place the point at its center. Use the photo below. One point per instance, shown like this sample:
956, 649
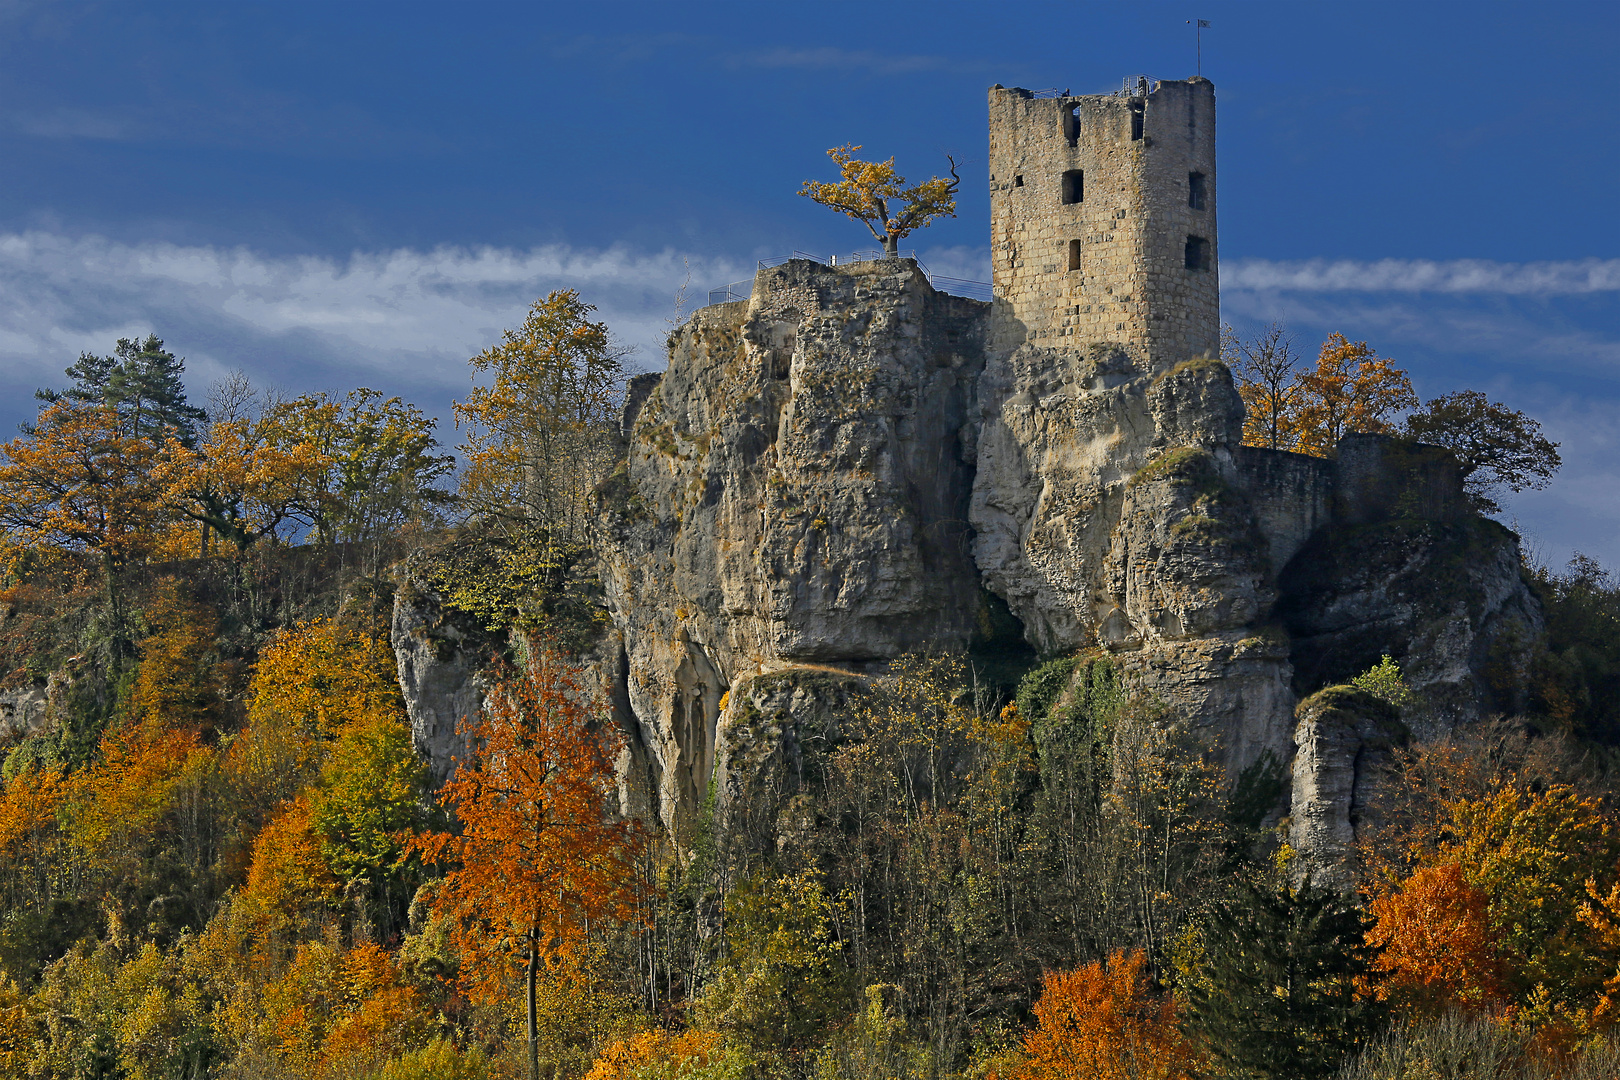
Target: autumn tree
1104, 1021
1496, 446
366, 807
1268, 380
83, 479
1534, 848
872, 193
314, 682
539, 859
1434, 943
241, 482
1351, 389
539, 436
783, 982
365, 463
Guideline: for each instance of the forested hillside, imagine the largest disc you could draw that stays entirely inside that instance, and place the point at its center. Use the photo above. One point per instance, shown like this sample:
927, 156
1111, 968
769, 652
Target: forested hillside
221, 855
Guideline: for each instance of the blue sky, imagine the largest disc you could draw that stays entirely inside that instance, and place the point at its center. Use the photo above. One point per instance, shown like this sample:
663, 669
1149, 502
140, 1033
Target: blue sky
341, 194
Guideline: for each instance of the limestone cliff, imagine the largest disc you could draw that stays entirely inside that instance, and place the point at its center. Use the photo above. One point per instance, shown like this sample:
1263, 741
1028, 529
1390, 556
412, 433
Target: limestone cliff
794, 492
839, 470
850, 465
1343, 739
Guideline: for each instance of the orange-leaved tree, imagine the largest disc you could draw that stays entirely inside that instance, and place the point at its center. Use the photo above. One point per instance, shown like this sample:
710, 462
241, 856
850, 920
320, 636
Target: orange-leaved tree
241, 482
872, 193
540, 857
28, 834
1435, 943
1268, 381
1537, 851
1352, 389
79, 479
321, 676
1103, 1021
679, 1052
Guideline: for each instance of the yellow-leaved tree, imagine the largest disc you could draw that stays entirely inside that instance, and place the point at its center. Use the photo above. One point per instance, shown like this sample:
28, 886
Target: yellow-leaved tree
539, 437
1350, 390
872, 193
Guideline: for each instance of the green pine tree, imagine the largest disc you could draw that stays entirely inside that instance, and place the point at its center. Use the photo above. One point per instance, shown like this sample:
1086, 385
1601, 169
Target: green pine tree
144, 382
1276, 998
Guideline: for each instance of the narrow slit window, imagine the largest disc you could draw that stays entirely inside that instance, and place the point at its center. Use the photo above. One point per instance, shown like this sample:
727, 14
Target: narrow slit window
1071, 125
1018, 181
1197, 255
1197, 191
1136, 124
1074, 186
1074, 255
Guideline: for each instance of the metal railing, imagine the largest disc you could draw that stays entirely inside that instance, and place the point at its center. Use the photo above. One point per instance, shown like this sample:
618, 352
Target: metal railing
973, 290
742, 290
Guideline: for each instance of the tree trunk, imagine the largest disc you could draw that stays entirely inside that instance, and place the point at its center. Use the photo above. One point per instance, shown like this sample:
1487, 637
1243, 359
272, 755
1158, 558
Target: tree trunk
891, 245
534, 1027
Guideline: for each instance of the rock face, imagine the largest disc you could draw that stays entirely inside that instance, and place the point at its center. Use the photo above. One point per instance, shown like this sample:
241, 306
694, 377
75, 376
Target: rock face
1344, 736
440, 653
1446, 599
795, 492
22, 712
1112, 504
837, 472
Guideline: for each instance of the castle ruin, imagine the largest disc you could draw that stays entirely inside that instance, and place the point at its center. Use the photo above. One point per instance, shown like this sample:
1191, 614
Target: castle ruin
850, 465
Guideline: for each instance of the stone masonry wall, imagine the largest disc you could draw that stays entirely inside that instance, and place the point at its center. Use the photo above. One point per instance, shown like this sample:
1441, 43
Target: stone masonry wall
1112, 174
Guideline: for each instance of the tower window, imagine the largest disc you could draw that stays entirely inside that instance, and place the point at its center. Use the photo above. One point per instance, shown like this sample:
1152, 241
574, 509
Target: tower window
1074, 186
1136, 124
1071, 125
1074, 255
1018, 180
1197, 256
1197, 190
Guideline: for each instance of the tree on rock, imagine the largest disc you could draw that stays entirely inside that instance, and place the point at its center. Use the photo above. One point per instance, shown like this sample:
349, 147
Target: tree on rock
1496, 446
539, 858
1268, 381
1352, 389
872, 193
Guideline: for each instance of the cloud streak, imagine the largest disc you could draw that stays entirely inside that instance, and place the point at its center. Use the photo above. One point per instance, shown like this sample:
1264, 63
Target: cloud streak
404, 315
1567, 278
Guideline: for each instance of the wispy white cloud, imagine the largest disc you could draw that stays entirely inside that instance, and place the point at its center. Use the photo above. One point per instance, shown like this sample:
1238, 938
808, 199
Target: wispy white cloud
1565, 278
402, 319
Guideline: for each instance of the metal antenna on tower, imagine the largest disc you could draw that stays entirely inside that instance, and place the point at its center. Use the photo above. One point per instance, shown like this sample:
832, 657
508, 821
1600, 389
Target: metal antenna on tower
1198, 35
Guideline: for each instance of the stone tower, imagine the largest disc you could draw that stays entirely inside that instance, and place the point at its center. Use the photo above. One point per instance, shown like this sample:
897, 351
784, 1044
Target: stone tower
1102, 217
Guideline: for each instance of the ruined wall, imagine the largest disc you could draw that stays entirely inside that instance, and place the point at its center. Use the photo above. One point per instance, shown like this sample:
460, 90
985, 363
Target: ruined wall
1091, 212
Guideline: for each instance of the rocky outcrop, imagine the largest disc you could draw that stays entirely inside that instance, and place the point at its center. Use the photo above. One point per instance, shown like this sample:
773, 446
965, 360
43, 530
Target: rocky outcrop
441, 653
773, 740
1447, 600
1344, 739
795, 492
838, 471
1112, 504
23, 712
